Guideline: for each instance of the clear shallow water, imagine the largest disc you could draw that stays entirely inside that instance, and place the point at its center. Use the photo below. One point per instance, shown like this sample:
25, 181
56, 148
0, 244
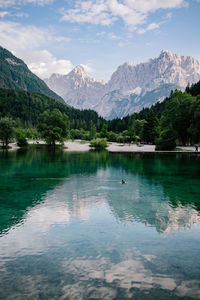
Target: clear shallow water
70, 230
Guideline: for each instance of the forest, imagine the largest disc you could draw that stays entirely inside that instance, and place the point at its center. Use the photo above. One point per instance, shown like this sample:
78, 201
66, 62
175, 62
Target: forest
175, 121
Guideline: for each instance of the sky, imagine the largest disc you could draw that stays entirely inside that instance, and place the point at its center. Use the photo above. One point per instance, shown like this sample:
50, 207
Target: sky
53, 36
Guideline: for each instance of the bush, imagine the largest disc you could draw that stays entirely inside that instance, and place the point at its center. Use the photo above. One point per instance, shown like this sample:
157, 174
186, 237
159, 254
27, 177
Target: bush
98, 144
21, 138
113, 137
167, 140
120, 138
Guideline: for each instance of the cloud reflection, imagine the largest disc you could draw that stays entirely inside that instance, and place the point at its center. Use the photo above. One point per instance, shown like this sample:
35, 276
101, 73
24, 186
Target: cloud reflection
132, 275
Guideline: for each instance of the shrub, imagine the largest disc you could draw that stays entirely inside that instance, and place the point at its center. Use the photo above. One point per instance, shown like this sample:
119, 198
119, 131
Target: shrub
167, 140
98, 144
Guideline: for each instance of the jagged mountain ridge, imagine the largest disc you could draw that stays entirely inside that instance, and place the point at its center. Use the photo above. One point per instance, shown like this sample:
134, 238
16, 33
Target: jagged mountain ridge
130, 88
14, 74
77, 88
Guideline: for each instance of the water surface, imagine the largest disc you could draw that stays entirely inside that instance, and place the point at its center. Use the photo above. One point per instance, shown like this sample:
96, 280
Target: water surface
70, 230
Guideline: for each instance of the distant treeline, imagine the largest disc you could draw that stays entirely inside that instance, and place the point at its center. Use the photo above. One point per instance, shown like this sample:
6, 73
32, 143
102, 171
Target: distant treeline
174, 121
26, 107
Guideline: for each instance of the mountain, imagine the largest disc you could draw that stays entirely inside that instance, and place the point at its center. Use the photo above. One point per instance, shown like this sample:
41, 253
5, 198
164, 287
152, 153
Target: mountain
130, 87
14, 74
77, 88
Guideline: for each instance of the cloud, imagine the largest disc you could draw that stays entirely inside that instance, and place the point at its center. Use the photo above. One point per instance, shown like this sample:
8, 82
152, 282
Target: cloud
3, 14
106, 12
29, 43
17, 38
151, 26
18, 15
44, 64
7, 3
113, 36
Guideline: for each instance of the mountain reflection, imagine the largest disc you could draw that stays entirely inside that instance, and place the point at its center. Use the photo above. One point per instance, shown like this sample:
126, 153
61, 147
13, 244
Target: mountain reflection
160, 191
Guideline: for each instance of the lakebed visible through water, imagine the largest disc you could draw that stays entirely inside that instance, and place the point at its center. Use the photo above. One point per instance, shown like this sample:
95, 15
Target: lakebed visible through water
70, 230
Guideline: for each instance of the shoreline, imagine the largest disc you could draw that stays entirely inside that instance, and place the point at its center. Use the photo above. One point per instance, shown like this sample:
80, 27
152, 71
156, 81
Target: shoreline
113, 147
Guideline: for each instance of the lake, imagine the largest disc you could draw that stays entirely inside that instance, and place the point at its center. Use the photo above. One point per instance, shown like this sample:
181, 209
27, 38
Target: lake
70, 230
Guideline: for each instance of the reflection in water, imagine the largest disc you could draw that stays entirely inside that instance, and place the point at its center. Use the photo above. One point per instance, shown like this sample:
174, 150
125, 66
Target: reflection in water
71, 230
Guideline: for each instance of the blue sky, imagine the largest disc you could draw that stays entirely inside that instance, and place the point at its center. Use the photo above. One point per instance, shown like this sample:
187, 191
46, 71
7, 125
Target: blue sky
53, 36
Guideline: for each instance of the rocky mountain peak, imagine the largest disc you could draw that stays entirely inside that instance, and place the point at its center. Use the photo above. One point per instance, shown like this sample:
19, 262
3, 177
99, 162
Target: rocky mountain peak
165, 53
131, 87
79, 71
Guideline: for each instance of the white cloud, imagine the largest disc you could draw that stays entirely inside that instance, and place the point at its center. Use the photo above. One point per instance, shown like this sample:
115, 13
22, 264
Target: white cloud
28, 43
7, 3
151, 26
113, 36
106, 12
17, 38
44, 64
168, 16
18, 15
3, 14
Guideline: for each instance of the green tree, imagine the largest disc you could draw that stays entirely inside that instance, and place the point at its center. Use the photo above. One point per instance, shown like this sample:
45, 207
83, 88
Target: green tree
6, 130
138, 127
178, 115
93, 131
150, 129
53, 126
104, 131
21, 137
167, 140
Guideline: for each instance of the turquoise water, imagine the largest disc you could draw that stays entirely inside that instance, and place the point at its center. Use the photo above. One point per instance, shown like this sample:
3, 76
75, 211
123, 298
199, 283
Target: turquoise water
70, 230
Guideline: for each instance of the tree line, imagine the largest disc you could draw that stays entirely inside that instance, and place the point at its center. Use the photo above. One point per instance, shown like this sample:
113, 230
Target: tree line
174, 121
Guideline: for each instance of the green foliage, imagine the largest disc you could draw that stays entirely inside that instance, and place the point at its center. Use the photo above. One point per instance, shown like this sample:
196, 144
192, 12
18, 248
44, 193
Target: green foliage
21, 137
178, 115
194, 89
93, 131
167, 140
113, 136
104, 131
6, 130
120, 139
53, 126
99, 143
138, 126
32, 133
26, 107
79, 134
150, 128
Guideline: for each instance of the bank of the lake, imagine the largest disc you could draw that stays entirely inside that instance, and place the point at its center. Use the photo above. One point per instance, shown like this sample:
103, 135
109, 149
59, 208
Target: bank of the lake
83, 146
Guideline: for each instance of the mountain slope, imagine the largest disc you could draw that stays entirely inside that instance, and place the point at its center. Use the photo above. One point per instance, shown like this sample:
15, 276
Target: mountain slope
130, 88
77, 88
14, 74
118, 103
